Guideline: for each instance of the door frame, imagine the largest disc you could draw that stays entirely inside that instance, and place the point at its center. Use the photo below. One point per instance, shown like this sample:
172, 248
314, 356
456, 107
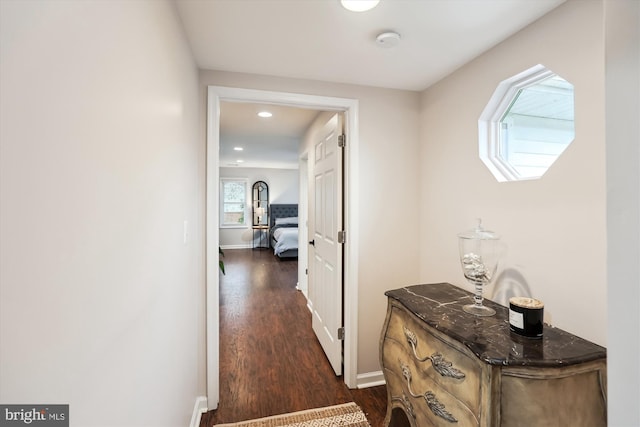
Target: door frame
217, 94
303, 225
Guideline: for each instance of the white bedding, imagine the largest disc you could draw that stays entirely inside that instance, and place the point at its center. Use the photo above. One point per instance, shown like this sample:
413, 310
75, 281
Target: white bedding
286, 239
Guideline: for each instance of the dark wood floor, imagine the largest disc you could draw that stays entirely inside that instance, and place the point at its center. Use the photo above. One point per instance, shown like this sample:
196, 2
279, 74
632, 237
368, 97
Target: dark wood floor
270, 360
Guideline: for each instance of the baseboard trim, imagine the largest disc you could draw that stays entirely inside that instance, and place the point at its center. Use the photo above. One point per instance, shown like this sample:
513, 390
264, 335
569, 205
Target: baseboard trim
370, 379
245, 246
199, 408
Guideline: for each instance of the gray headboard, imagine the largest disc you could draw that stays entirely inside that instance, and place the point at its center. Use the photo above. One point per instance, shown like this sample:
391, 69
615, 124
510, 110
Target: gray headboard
281, 211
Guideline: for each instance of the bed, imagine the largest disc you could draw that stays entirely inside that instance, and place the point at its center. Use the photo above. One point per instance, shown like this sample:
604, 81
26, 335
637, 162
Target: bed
283, 223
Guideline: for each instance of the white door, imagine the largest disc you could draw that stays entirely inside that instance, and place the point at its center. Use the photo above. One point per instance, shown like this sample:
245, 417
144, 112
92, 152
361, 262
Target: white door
325, 281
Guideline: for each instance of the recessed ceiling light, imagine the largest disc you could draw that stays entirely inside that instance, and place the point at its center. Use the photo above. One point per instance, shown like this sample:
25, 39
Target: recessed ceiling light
238, 148
239, 161
359, 5
265, 114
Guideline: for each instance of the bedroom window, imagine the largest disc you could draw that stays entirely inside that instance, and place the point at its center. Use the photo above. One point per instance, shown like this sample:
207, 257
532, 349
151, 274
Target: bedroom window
233, 203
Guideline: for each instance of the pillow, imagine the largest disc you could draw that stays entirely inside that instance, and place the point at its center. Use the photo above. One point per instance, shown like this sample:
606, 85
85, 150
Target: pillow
287, 221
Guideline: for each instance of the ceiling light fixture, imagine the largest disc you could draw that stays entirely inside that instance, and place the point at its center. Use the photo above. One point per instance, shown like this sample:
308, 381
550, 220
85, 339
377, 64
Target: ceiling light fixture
359, 5
388, 39
265, 114
238, 148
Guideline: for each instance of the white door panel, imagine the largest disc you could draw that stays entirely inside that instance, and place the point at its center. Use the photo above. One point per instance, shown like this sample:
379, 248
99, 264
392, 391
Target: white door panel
326, 274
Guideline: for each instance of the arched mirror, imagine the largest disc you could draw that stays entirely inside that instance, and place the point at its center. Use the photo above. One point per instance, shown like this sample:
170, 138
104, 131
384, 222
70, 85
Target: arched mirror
527, 124
260, 203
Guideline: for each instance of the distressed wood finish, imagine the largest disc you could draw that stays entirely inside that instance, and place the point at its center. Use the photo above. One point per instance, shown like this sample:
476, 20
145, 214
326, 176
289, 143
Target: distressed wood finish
444, 367
270, 361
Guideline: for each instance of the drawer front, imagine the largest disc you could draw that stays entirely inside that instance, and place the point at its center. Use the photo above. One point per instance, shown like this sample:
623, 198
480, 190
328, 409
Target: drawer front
422, 399
445, 366
572, 400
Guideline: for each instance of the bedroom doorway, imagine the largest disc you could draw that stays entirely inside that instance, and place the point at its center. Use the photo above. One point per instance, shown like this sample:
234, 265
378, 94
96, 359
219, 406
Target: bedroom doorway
349, 107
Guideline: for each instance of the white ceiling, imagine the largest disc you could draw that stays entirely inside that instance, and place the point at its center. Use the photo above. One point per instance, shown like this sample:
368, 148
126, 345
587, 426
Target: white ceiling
267, 142
319, 40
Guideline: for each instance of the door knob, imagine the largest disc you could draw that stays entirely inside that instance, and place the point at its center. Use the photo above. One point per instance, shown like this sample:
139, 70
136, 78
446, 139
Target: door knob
312, 243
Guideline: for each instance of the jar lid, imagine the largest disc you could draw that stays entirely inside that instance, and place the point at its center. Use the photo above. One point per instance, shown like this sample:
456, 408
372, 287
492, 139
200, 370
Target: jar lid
526, 302
479, 233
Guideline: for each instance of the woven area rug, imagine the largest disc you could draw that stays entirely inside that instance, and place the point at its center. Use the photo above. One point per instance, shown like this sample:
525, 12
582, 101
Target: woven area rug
348, 414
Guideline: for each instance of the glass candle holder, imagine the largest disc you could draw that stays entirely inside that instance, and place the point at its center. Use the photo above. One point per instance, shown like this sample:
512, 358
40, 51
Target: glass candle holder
479, 255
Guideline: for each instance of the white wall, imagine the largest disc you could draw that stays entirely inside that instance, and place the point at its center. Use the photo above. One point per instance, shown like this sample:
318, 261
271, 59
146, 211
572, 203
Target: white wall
622, 69
554, 227
284, 187
101, 302
388, 165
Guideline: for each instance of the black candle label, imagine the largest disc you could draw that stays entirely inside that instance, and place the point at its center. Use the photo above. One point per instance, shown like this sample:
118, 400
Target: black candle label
516, 319
526, 316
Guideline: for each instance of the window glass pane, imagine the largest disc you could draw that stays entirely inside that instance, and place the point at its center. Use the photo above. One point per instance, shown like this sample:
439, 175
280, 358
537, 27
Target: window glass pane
233, 218
527, 124
234, 192
537, 127
233, 203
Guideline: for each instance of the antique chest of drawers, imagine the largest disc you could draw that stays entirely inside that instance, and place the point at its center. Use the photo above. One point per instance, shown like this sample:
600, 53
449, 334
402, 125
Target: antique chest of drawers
445, 367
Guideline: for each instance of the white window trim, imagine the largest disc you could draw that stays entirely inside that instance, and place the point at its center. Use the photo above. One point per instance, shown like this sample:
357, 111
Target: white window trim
489, 121
246, 203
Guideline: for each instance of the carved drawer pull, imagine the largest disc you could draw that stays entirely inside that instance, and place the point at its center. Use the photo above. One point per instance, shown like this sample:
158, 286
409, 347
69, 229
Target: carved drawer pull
438, 408
406, 403
440, 364
433, 403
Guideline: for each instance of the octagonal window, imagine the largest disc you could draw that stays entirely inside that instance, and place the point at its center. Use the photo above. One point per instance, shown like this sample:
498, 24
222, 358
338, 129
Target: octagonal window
527, 124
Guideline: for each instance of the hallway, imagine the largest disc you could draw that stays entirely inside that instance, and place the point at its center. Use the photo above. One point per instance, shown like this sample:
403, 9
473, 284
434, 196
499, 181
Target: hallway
270, 360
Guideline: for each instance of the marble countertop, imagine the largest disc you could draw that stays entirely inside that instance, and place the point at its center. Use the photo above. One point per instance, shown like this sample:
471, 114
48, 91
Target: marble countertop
489, 338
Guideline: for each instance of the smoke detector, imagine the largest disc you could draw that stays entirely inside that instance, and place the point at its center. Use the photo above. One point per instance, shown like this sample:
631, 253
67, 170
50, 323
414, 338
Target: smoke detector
388, 39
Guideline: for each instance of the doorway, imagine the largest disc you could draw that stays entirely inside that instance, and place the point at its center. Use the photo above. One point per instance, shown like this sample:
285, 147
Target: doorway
349, 107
